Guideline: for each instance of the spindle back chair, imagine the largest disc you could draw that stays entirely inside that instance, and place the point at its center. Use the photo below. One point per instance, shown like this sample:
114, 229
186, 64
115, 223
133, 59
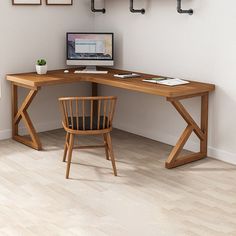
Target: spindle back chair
88, 116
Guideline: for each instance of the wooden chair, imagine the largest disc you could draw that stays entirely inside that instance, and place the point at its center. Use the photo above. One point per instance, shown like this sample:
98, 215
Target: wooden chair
88, 116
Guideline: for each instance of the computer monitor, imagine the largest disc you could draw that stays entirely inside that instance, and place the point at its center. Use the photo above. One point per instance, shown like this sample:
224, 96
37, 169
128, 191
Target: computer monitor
90, 49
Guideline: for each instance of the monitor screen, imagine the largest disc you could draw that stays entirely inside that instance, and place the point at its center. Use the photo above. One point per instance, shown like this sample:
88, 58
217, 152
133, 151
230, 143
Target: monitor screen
89, 46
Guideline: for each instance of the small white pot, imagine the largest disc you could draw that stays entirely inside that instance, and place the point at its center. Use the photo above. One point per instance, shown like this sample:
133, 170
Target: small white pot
41, 70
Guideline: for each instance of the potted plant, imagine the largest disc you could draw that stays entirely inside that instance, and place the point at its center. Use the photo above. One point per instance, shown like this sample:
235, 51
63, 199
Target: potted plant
41, 67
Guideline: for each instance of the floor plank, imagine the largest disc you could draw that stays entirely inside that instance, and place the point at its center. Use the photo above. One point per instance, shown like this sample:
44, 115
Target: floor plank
145, 198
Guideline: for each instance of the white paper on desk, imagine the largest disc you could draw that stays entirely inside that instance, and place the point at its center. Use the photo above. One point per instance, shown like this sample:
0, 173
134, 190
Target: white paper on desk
172, 82
123, 76
150, 81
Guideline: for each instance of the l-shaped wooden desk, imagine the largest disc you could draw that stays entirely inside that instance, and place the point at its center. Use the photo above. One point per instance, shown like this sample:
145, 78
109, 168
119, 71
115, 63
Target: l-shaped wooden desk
34, 82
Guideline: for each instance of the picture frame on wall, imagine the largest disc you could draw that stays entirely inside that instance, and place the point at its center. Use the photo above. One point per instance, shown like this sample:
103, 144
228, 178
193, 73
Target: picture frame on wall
26, 2
59, 2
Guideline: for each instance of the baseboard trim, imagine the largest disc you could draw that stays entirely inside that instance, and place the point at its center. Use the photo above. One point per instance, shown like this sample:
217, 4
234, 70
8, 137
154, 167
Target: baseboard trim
5, 134
43, 126
215, 153
158, 136
222, 155
40, 127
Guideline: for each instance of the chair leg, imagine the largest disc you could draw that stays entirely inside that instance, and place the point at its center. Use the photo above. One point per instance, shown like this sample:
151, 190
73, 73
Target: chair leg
111, 153
106, 146
66, 146
70, 149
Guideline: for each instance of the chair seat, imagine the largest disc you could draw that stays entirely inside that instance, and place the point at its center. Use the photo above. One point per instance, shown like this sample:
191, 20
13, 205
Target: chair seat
73, 125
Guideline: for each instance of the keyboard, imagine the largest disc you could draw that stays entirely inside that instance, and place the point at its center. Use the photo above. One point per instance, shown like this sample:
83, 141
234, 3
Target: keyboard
90, 72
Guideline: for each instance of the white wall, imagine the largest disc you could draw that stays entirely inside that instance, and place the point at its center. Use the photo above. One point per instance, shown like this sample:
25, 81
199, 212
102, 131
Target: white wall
201, 47
32, 32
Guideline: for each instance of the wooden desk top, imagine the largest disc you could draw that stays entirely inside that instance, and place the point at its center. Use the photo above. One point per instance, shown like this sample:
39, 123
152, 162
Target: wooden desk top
34, 81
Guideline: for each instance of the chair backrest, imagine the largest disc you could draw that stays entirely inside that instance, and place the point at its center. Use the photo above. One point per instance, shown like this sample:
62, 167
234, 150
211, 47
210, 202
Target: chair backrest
87, 114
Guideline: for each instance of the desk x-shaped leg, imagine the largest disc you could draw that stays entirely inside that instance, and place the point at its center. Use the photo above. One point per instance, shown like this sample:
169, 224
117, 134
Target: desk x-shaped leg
22, 114
174, 160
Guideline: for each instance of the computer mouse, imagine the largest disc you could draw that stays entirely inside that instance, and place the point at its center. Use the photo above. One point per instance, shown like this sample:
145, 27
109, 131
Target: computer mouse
66, 71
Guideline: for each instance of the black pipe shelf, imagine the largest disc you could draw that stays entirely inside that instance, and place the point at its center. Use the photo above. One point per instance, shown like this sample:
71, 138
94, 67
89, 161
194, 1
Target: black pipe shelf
181, 11
93, 9
142, 11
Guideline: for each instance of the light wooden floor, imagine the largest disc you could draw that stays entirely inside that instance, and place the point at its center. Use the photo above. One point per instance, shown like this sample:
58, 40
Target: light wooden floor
144, 200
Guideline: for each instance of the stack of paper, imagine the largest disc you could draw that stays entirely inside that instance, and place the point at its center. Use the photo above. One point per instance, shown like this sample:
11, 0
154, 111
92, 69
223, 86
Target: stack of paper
126, 75
166, 81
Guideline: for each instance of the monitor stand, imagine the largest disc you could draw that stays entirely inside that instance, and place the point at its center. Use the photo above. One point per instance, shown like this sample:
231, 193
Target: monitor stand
90, 68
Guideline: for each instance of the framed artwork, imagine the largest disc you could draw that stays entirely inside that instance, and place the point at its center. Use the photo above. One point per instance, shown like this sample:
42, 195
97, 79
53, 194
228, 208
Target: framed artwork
27, 2
59, 2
